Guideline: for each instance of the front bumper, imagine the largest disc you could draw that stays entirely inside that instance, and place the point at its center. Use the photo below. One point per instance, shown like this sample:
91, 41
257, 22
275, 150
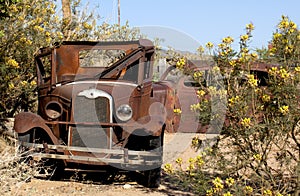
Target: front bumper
112, 156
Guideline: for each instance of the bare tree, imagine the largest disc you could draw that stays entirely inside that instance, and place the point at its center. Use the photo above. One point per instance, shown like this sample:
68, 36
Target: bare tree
66, 8
119, 13
67, 17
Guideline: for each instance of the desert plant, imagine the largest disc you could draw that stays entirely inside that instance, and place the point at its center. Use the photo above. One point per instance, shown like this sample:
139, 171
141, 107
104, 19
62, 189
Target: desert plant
259, 144
14, 169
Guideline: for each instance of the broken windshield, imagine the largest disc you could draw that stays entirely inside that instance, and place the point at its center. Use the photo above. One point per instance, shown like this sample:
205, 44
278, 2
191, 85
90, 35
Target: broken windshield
99, 57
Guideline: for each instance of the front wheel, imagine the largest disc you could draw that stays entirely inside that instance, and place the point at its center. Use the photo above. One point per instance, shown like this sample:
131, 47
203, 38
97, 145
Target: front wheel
50, 168
24, 151
152, 177
141, 141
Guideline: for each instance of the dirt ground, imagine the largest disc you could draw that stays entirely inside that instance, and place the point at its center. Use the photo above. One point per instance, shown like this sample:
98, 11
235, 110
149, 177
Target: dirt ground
43, 187
176, 145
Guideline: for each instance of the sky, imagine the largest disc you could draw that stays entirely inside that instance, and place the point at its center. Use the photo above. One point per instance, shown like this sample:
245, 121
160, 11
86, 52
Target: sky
191, 23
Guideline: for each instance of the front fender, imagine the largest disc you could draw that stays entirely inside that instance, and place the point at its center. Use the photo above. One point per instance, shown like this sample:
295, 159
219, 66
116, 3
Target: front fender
165, 94
26, 121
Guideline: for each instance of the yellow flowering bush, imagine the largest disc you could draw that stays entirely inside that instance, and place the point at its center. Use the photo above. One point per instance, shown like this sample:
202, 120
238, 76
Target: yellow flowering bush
179, 161
248, 190
218, 184
177, 111
284, 109
197, 75
201, 93
284, 46
258, 150
252, 81
229, 181
244, 37
263, 112
246, 122
168, 168
209, 45
22, 34
13, 63
180, 64
266, 98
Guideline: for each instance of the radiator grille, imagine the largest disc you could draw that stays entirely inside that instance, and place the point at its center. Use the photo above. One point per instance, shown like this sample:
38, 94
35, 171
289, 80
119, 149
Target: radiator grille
91, 111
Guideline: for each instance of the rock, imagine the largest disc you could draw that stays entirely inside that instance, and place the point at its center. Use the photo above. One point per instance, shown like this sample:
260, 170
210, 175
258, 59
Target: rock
127, 186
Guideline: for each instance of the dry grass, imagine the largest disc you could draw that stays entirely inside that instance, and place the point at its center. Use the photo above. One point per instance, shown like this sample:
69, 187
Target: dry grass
14, 171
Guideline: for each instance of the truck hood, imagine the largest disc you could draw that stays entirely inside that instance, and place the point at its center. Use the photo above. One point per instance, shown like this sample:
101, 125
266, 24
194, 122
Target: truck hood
119, 89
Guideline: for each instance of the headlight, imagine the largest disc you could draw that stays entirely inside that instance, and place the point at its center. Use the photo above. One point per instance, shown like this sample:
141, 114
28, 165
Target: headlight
53, 109
124, 112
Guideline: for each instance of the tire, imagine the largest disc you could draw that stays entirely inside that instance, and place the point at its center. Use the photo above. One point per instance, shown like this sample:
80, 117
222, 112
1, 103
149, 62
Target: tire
26, 138
152, 177
55, 169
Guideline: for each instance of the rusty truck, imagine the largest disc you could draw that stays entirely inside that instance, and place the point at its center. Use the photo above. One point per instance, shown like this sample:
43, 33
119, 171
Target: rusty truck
98, 106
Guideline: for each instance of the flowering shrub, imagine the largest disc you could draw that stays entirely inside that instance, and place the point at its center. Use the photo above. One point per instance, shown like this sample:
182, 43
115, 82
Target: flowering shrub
28, 25
258, 150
